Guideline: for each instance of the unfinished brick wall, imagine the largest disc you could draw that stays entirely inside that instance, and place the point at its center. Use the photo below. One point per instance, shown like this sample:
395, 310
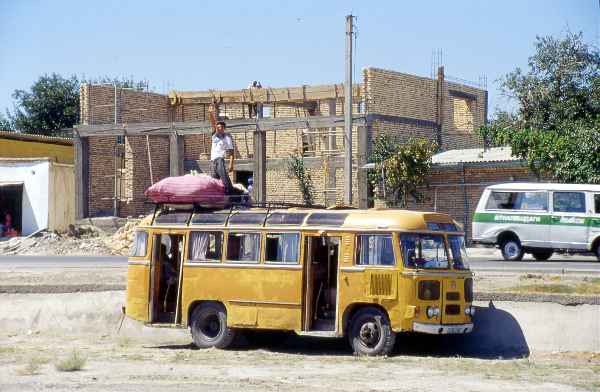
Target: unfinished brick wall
412, 103
97, 104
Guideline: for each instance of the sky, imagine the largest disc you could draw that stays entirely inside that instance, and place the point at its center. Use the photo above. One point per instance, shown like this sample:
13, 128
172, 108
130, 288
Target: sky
200, 45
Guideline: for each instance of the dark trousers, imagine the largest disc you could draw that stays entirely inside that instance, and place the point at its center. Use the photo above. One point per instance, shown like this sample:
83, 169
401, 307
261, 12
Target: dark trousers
219, 172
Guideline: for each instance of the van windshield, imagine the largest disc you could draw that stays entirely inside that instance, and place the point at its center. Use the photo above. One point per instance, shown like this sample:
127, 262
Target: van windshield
426, 251
458, 252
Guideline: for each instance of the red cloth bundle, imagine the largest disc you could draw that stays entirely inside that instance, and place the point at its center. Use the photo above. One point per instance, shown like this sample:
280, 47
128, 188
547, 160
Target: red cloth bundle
201, 189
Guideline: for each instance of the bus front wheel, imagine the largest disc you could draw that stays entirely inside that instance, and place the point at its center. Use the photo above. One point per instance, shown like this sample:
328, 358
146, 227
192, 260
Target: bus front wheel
209, 326
370, 333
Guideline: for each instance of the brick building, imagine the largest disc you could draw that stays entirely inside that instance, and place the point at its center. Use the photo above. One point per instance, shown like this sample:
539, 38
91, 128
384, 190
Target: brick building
129, 139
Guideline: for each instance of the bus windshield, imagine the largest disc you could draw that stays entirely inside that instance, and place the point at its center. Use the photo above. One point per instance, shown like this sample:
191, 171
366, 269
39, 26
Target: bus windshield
426, 251
458, 252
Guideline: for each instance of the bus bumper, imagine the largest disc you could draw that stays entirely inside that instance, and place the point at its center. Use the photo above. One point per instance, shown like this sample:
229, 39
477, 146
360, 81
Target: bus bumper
437, 329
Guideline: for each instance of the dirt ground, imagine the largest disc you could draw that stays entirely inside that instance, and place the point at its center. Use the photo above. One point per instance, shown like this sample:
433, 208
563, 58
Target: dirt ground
39, 330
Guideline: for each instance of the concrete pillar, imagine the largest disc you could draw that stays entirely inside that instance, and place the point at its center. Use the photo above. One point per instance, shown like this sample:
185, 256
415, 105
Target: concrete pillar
82, 152
260, 161
176, 155
364, 138
439, 117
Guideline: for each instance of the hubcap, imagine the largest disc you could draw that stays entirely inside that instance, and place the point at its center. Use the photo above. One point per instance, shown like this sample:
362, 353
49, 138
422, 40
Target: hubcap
369, 333
511, 249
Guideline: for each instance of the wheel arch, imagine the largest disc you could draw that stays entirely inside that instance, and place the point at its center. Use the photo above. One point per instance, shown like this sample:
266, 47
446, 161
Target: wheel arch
507, 235
192, 307
353, 308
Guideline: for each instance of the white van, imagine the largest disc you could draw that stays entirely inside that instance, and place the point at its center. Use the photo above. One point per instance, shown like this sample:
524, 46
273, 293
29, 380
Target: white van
539, 218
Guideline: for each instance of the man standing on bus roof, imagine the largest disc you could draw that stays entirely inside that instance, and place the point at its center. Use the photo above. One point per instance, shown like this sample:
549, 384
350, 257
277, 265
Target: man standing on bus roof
222, 147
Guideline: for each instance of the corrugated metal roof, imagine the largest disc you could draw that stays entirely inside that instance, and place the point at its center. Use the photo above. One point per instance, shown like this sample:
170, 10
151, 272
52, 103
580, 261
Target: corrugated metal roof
36, 138
474, 155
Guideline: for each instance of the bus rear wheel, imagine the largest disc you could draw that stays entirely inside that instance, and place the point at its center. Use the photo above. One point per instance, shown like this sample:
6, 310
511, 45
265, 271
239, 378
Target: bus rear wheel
209, 326
370, 333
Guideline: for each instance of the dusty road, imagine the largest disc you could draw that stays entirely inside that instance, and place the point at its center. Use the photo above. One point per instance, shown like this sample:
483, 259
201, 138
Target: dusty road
37, 331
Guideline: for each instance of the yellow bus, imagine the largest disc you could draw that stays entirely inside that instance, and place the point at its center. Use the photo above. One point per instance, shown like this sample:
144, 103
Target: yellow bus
363, 274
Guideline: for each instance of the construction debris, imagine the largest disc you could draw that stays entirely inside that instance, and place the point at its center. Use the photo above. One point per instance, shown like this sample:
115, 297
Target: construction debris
84, 240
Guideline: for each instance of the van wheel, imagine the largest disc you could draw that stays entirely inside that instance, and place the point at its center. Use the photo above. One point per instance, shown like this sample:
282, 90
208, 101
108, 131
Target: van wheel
598, 252
542, 255
370, 333
209, 326
512, 250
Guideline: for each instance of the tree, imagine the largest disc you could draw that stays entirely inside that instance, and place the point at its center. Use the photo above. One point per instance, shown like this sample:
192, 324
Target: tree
556, 127
5, 124
52, 104
401, 168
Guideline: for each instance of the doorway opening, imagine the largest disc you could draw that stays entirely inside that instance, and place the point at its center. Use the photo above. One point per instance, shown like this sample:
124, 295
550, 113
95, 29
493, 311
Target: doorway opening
11, 210
167, 258
321, 292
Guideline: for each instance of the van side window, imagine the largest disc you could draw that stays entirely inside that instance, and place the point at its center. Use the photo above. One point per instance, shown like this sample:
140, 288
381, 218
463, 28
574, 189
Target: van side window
569, 202
597, 203
139, 244
282, 248
243, 247
205, 246
375, 249
531, 201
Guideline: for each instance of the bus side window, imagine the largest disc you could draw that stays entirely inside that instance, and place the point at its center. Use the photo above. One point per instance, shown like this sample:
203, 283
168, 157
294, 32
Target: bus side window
140, 244
243, 247
205, 246
375, 249
282, 248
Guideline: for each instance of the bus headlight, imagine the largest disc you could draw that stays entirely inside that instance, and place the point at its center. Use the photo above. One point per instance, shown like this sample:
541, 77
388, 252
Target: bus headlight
470, 311
432, 312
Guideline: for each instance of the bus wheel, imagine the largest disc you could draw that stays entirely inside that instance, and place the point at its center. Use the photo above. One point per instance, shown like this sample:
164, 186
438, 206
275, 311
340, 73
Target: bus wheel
512, 250
542, 255
370, 333
209, 326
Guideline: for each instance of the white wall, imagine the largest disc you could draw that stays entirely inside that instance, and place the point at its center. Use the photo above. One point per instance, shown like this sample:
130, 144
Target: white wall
34, 175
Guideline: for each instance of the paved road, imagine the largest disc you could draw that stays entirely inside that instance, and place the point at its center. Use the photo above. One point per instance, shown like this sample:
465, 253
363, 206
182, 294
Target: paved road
558, 264
56, 262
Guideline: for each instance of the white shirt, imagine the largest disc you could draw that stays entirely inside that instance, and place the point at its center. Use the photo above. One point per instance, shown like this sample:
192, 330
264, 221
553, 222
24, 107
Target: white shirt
220, 145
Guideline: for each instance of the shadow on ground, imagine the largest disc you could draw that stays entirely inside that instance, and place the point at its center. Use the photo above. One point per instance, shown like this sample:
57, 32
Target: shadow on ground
497, 334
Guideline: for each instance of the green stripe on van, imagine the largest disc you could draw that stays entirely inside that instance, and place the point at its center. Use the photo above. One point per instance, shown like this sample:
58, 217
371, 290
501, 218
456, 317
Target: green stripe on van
490, 217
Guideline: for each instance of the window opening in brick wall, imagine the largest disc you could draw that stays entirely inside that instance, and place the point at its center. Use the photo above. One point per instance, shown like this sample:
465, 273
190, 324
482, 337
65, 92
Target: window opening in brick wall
463, 114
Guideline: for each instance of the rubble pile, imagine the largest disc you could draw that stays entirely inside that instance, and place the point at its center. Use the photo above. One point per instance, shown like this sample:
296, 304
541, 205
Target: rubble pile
77, 241
121, 241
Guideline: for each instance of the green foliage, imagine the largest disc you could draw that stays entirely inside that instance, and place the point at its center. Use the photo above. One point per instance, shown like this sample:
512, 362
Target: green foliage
52, 103
405, 167
72, 363
5, 124
297, 170
556, 127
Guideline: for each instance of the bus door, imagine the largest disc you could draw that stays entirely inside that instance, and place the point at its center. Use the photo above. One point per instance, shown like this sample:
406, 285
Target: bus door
321, 282
166, 274
138, 279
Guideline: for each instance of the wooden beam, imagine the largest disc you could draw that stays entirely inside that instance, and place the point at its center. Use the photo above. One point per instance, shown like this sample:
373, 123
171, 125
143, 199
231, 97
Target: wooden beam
261, 95
199, 127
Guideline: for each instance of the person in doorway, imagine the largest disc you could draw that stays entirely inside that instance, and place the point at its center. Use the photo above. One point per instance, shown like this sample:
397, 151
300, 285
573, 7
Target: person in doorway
222, 147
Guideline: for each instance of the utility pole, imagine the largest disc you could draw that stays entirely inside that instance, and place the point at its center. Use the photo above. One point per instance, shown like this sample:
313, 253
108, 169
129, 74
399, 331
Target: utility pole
348, 115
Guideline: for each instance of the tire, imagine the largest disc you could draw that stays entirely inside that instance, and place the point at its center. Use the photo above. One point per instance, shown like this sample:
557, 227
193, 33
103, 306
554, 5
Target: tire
542, 254
209, 326
598, 252
512, 250
370, 333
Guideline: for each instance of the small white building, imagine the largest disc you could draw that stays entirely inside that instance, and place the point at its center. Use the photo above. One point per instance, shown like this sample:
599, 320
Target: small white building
37, 193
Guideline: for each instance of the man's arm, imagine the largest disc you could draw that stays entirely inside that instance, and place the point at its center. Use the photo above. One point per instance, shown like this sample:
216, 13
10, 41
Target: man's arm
231, 152
212, 115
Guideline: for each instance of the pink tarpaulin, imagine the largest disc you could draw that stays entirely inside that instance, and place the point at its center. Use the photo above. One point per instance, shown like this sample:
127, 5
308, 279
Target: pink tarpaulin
201, 189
